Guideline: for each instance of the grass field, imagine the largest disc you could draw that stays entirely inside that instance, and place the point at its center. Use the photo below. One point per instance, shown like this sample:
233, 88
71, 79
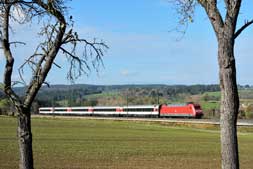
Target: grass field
90, 144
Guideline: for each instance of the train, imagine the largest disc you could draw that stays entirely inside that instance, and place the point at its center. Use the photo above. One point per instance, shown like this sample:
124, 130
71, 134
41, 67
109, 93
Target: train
188, 110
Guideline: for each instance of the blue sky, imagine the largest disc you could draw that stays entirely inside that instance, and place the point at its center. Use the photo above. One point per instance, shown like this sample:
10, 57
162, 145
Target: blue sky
143, 50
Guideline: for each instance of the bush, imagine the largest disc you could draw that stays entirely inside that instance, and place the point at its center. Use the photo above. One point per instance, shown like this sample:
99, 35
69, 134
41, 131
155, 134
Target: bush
249, 115
241, 114
4, 106
249, 111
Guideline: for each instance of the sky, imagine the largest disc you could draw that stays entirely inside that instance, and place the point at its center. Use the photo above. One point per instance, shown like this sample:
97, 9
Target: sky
144, 48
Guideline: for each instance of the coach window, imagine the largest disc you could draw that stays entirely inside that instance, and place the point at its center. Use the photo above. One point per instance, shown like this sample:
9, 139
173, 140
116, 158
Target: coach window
60, 109
45, 109
79, 109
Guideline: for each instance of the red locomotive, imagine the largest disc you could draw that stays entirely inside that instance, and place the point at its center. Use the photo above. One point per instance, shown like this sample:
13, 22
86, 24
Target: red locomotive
185, 110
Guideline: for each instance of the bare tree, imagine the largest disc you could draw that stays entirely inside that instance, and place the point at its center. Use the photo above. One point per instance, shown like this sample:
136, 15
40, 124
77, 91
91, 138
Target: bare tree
59, 37
226, 34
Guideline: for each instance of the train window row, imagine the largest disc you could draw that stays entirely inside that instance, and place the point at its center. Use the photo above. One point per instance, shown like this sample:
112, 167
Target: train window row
103, 110
138, 109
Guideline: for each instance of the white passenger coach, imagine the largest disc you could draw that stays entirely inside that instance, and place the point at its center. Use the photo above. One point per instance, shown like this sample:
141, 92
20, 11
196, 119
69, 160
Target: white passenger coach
142, 110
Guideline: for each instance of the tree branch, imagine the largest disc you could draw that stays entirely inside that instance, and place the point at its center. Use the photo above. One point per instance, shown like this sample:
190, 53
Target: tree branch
185, 9
233, 8
17, 42
239, 31
92, 49
9, 59
37, 81
214, 14
55, 38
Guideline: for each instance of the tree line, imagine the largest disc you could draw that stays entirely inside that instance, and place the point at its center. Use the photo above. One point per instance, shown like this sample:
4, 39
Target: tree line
76, 95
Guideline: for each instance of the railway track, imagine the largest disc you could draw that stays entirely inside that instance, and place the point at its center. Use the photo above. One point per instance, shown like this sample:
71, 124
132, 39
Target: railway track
162, 120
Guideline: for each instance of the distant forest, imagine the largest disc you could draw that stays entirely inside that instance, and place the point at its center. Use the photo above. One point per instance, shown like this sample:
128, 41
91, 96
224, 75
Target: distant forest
111, 95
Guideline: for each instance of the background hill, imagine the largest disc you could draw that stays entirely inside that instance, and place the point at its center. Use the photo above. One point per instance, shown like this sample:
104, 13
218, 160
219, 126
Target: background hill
111, 95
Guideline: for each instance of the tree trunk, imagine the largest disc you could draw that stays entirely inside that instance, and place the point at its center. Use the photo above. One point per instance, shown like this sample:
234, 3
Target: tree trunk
25, 139
229, 103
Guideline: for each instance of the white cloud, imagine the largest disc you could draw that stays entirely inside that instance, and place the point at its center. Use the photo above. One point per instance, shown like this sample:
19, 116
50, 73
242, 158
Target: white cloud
128, 73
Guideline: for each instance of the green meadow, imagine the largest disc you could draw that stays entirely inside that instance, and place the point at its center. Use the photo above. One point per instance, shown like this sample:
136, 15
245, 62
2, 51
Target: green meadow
66, 143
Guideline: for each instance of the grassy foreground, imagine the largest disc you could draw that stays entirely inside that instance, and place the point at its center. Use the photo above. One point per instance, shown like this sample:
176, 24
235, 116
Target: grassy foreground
81, 143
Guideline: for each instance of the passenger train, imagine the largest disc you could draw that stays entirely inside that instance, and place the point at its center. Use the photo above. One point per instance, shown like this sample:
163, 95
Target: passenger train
190, 110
